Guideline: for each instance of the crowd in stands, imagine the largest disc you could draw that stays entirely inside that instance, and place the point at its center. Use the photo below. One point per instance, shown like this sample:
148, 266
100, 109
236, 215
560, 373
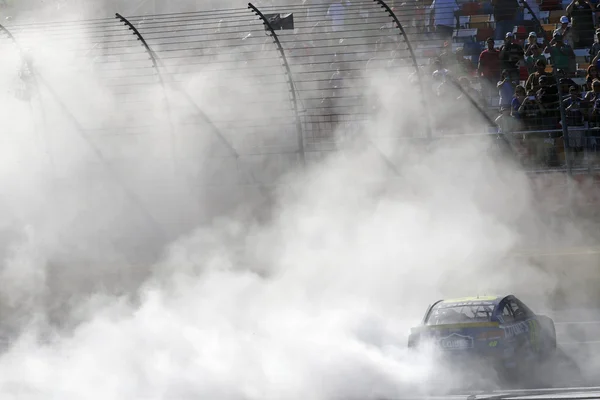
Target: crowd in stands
520, 61
524, 77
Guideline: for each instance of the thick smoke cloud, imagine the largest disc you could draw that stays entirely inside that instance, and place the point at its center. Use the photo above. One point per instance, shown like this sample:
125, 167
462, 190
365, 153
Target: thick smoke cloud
305, 290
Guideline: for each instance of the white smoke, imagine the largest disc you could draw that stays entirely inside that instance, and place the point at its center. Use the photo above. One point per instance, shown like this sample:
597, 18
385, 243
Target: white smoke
206, 299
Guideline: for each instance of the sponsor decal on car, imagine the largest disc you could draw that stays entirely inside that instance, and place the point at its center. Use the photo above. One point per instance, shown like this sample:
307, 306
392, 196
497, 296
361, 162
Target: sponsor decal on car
490, 334
456, 342
518, 328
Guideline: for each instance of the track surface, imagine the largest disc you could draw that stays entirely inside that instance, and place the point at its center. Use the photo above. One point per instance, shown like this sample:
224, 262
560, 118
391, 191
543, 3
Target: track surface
573, 374
534, 394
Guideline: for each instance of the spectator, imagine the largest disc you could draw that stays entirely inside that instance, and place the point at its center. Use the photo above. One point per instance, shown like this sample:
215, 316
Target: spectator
531, 41
594, 93
439, 72
596, 61
434, 64
505, 14
548, 91
488, 69
510, 56
564, 30
592, 74
442, 19
517, 100
446, 54
574, 108
533, 82
336, 13
531, 111
564, 81
548, 96
534, 56
562, 54
591, 100
581, 13
505, 122
505, 89
595, 49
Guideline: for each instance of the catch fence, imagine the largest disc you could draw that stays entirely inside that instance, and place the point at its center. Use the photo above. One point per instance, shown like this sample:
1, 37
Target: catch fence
279, 85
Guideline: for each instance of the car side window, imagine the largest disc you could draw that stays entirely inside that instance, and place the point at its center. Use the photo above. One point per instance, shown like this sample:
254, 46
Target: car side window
518, 312
507, 314
528, 313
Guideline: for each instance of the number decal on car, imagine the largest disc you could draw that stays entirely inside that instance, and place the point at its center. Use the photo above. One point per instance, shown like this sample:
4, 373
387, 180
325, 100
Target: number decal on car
534, 335
493, 343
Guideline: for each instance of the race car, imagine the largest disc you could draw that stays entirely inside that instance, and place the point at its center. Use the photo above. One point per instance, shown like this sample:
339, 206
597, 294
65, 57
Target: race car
499, 329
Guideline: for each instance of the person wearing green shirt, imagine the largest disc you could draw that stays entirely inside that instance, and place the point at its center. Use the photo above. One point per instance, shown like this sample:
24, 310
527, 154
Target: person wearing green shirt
535, 54
561, 54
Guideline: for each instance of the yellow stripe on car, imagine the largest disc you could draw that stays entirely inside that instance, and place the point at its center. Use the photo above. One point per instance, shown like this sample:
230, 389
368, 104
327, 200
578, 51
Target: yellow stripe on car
465, 299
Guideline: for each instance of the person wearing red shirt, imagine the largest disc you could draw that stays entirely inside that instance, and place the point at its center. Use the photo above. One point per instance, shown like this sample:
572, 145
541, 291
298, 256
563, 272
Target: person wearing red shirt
488, 69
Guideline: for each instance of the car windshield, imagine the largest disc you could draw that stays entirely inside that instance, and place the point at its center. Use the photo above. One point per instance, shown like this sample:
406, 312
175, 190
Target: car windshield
458, 313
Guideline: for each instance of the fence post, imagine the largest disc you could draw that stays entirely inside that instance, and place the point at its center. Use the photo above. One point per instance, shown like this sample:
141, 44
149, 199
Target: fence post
414, 59
156, 62
139, 37
290, 79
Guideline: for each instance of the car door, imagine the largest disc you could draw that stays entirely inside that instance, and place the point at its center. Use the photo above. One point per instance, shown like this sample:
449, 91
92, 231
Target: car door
507, 320
535, 327
527, 327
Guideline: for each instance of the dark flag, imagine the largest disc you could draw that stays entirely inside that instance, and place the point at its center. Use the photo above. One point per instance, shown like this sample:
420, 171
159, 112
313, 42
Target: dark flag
281, 21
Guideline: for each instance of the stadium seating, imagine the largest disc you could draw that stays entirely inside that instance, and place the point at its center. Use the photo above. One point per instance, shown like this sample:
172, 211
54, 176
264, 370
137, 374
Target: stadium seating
549, 28
472, 8
523, 73
550, 5
477, 24
520, 32
484, 33
481, 21
554, 17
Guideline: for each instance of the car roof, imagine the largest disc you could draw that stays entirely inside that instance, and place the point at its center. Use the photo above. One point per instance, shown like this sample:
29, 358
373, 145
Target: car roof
475, 299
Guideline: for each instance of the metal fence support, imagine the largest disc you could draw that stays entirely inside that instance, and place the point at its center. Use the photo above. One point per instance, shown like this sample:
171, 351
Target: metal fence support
157, 64
139, 36
535, 19
290, 79
414, 59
